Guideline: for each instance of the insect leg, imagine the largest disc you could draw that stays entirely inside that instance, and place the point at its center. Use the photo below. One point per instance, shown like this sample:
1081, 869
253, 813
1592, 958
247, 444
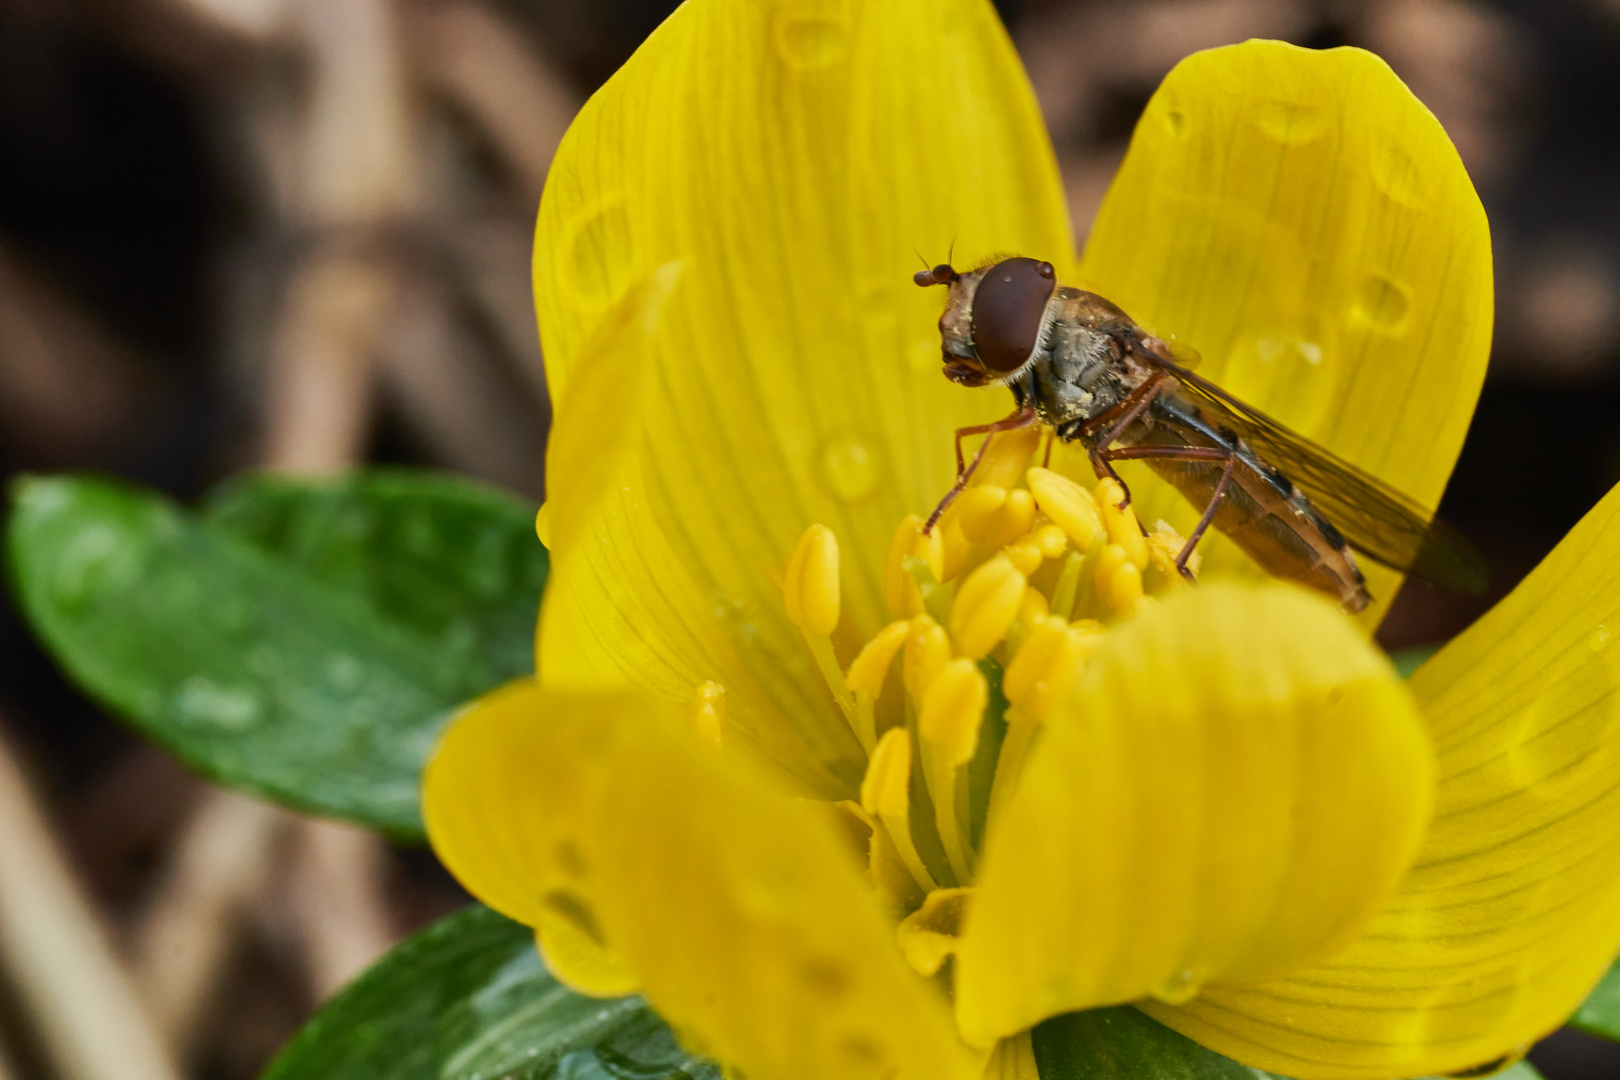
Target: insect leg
1100, 458
1020, 419
1188, 453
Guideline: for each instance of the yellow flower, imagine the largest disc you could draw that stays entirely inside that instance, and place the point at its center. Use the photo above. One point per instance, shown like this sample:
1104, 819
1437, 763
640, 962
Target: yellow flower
1217, 802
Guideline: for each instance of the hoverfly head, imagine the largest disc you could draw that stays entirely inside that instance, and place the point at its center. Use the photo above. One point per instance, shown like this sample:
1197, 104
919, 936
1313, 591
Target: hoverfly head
994, 316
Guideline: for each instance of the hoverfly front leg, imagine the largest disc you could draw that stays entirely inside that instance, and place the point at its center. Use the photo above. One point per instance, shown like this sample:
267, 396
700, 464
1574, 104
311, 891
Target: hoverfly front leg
1186, 453
1024, 417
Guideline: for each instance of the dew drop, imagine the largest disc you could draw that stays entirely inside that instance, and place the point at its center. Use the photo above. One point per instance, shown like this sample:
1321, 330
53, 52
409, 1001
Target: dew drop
850, 468
808, 42
1600, 638
542, 524
1289, 122
345, 672
598, 252
83, 566
1175, 122
1398, 176
1382, 304
200, 700
1181, 987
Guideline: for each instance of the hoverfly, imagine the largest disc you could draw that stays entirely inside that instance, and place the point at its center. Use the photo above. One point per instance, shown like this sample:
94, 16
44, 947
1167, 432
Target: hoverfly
1077, 363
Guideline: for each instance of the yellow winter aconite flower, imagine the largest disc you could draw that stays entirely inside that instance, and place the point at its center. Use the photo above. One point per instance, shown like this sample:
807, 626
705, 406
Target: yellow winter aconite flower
845, 800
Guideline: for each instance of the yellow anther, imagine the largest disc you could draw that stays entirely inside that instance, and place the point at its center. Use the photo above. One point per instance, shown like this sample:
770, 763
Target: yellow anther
928, 936
899, 589
1069, 505
871, 665
1041, 673
1033, 606
1164, 547
954, 544
810, 582
1121, 524
1007, 457
986, 604
1013, 521
886, 787
952, 710
1119, 582
978, 507
707, 713
1051, 540
886, 795
1025, 556
928, 650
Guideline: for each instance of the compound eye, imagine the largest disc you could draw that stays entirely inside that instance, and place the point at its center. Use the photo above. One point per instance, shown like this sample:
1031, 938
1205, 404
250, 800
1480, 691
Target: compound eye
1008, 308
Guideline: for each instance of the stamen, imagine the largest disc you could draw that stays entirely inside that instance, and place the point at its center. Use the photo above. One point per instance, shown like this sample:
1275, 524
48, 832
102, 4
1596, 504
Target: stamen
1035, 681
899, 591
707, 713
866, 674
1051, 540
1164, 547
1121, 524
948, 727
1008, 456
1024, 555
1031, 609
928, 936
928, 650
1069, 505
810, 582
936, 598
1013, 520
886, 795
986, 604
1119, 582
977, 508
810, 594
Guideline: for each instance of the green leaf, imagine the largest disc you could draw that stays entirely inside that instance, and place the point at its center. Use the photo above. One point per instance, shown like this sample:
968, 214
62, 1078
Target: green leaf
469, 998
1599, 1014
305, 643
455, 561
1124, 1043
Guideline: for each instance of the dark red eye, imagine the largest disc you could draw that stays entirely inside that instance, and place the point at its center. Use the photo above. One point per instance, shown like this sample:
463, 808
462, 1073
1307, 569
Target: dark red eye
1008, 307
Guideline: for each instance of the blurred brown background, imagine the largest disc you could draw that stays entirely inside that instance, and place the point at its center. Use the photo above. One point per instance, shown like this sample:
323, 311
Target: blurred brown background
295, 232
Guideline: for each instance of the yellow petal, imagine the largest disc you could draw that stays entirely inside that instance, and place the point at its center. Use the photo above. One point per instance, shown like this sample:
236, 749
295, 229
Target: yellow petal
1230, 791
1013, 1059
742, 914
1304, 223
1512, 910
508, 800
791, 156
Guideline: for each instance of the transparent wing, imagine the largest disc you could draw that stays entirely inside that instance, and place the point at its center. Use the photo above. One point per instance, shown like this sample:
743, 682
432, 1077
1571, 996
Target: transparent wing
1375, 519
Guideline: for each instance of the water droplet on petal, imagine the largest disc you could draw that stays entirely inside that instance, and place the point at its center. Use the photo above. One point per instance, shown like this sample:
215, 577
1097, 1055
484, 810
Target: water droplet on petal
1382, 304
1291, 123
1175, 122
1398, 176
850, 468
1181, 987
598, 252
1600, 638
807, 42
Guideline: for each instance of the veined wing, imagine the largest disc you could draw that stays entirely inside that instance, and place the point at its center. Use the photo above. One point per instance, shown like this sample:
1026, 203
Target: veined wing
1375, 518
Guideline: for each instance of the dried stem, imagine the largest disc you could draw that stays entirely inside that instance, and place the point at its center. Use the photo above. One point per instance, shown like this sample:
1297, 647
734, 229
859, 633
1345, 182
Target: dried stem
71, 984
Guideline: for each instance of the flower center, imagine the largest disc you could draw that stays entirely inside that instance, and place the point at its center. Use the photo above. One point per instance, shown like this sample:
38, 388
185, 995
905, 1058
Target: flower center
996, 611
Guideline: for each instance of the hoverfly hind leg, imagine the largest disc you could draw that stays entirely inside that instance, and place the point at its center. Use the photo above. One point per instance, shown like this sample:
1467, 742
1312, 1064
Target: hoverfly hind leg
1185, 453
1023, 418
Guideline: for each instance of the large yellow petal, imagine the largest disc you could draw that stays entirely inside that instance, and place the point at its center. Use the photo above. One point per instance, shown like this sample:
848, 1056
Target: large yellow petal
1512, 910
741, 914
1231, 791
790, 155
1304, 223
